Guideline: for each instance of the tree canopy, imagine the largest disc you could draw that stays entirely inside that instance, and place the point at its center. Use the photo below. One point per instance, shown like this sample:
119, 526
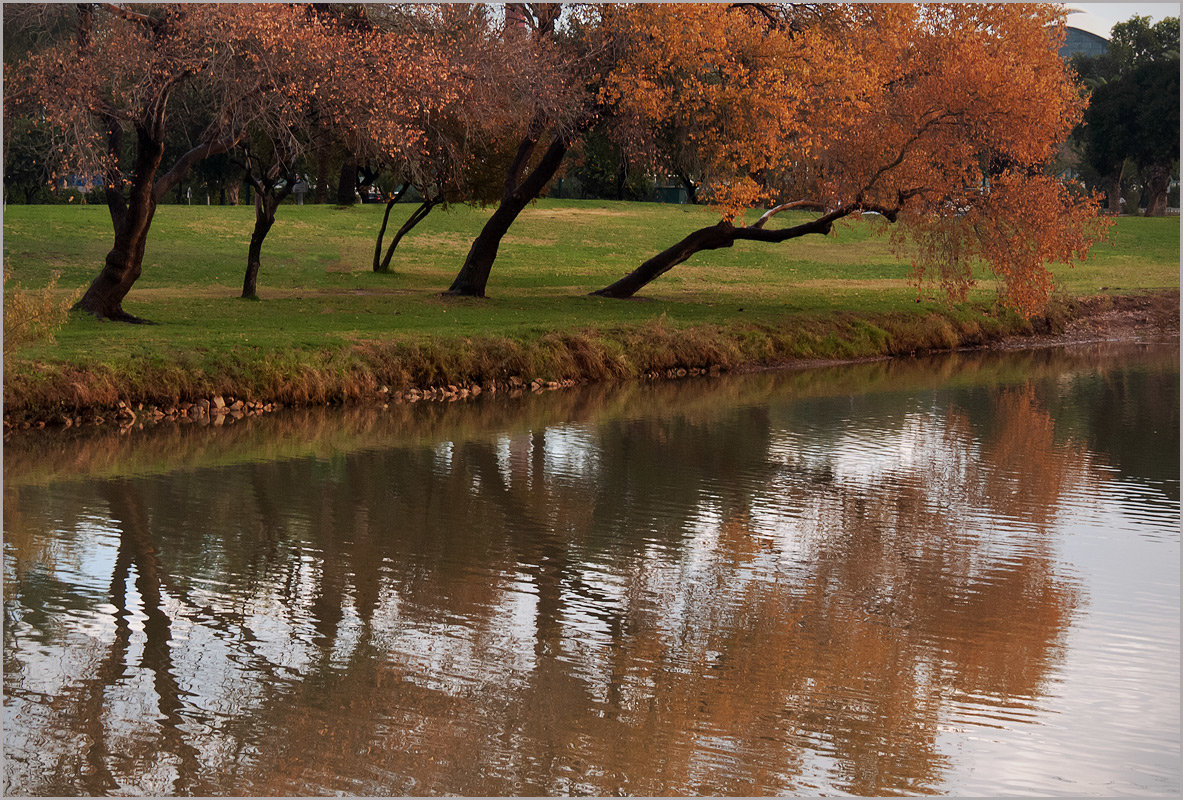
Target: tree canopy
1133, 114
942, 118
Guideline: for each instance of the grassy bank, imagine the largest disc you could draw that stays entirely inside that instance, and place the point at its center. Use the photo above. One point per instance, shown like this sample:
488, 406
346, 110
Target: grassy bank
325, 433
329, 329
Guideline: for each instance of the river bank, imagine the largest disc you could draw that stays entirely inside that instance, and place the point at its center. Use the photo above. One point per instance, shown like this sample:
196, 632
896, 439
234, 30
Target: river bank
153, 391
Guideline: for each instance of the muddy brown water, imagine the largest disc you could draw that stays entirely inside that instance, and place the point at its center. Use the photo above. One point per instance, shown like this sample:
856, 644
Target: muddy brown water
950, 575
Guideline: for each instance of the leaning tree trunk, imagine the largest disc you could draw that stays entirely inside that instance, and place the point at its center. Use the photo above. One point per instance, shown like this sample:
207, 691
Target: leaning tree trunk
719, 235
122, 266
131, 218
420, 214
712, 238
267, 200
263, 223
474, 275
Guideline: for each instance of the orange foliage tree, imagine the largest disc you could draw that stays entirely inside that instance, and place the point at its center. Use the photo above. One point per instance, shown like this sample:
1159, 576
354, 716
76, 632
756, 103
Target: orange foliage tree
942, 118
378, 82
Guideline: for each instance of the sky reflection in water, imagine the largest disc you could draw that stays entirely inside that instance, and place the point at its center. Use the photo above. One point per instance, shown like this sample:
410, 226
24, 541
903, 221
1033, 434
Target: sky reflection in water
908, 577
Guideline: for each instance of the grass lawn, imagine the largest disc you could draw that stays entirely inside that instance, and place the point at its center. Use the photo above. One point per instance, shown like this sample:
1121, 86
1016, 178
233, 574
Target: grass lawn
320, 295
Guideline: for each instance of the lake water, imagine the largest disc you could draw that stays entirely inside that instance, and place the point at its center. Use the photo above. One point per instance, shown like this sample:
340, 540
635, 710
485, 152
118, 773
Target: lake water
952, 575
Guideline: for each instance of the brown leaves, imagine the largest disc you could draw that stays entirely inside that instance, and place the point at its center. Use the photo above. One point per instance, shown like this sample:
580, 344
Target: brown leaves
947, 112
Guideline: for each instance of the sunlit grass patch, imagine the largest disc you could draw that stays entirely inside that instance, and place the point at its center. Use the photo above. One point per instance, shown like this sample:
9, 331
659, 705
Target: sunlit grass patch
320, 295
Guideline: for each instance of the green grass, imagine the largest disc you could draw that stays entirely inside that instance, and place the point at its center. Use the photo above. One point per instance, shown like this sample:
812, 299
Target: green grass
323, 308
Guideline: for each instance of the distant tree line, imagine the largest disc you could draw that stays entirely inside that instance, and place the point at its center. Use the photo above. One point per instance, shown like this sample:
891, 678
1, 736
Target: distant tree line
942, 119
1128, 139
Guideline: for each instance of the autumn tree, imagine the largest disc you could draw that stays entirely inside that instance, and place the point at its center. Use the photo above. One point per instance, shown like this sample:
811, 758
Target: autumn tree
108, 94
451, 147
268, 164
938, 117
553, 101
295, 52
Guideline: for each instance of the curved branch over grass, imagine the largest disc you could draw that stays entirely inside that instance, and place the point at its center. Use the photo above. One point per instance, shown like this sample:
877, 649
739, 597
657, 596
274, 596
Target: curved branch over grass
725, 234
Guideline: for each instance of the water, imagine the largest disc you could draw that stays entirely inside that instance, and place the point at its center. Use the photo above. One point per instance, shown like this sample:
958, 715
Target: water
957, 575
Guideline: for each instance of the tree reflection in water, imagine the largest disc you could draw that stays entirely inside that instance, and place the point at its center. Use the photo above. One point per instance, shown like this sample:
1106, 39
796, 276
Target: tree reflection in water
710, 598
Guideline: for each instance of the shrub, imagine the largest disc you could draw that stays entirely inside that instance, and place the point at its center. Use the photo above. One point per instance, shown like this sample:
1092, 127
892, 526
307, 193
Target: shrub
32, 315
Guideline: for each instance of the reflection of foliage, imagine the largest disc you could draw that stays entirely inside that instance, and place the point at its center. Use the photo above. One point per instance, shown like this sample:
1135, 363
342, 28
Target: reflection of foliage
644, 595
316, 432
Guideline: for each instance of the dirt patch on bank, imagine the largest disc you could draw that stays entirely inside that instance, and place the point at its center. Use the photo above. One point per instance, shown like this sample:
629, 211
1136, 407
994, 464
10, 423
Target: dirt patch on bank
1105, 318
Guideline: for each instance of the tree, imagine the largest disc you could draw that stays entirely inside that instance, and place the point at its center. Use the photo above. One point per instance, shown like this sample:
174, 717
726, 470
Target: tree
458, 112
1154, 146
1104, 137
939, 117
283, 127
1135, 42
30, 163
273, 177
1133, 115
109, 94
551, 102
606, 169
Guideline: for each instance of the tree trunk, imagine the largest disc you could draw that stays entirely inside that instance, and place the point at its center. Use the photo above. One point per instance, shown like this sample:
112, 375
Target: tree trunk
1158, 180
712, 238
322, 168
264, 219
267, 200
347, 183
378, 266
1113, 191
722, 234
420, 214
131, 219
474, 275
364, 180
691, 188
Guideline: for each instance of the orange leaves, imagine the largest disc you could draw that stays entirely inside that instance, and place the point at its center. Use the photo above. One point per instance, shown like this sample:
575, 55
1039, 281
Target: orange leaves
1027, 222
732, 198
1016, 228
946, 112
721, 79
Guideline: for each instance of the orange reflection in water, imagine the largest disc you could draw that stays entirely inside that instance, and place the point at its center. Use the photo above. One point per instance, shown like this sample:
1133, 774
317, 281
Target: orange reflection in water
667, 602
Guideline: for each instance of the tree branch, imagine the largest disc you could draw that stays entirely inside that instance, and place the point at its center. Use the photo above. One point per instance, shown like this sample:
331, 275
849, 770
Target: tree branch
183, 164
899, 159
129, 15
770, 213
525, 149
